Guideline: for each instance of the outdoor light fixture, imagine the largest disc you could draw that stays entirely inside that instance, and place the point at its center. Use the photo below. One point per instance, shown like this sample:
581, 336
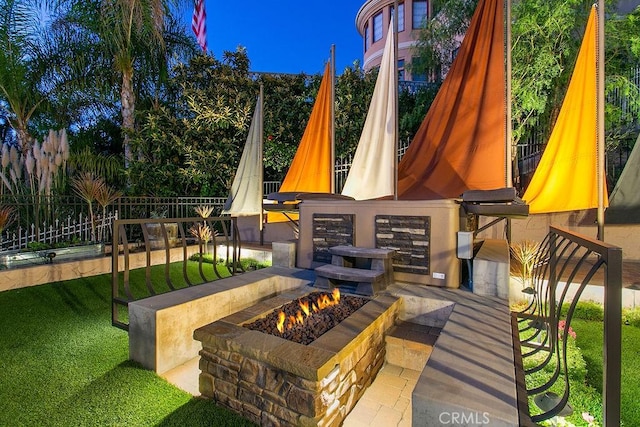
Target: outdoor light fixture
549, 400
50, 256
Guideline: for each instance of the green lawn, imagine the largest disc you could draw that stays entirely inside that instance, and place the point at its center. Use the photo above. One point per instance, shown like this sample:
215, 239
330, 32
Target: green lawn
589, 339
63, 364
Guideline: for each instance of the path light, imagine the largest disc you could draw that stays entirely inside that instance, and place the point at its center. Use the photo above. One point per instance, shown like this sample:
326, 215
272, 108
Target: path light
549, 400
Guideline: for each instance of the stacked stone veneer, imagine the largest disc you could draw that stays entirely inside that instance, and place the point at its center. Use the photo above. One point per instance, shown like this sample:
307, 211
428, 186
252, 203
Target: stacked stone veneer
275, 382
410, 237
331, 230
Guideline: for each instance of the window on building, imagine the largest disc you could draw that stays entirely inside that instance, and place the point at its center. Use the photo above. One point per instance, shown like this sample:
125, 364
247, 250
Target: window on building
400, 16
401, 74
367, 40
419, 13
377, 27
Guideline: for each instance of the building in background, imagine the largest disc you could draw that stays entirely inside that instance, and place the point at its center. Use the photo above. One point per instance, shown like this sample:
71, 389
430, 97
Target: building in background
373, 20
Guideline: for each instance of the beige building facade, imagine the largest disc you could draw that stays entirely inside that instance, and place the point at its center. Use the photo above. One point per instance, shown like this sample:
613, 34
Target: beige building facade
373, 21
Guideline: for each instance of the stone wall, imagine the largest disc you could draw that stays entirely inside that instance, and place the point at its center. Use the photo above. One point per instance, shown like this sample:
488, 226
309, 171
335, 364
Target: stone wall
275, 382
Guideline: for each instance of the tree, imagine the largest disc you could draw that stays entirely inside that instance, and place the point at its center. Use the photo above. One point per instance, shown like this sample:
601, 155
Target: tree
288, 101
131, 29
191, 143
440, 37
21, 76
354, 90
545, 42
622, 63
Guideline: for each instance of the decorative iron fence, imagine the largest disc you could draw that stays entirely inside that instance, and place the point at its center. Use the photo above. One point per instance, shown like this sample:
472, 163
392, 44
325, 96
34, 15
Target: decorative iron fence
211, 243
343, 164
165, 207
72, 230
564, 265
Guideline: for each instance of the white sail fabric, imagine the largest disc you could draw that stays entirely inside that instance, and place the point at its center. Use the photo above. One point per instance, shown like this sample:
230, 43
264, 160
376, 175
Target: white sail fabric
372, 173
245, 197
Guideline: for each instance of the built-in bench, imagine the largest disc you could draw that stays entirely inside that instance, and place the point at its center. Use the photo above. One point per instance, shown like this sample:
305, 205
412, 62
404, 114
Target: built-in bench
161, 327
368, 282
470, 375
370, 269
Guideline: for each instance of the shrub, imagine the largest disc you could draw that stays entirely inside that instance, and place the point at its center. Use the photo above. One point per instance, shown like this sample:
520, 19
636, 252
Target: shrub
586, 310
524, 253
631, 316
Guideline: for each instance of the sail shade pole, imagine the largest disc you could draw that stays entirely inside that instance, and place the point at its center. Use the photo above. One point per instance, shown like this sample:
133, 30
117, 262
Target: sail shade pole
509, 158
261, 163
396, 83
332, 188
600, 141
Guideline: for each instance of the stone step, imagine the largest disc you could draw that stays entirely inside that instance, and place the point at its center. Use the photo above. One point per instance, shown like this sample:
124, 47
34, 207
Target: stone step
366, 282
348, 274
409, 345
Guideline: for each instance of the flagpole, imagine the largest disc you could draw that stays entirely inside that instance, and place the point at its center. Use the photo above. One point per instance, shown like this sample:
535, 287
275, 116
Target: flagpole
332, 68
600, 139
395, 94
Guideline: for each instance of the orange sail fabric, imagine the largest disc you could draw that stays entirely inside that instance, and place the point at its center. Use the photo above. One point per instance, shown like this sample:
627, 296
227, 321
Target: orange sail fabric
460, 144
310, 170
566, 178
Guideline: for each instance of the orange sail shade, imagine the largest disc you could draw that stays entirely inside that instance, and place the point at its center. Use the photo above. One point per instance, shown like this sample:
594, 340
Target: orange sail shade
311, 170
461, 143
566, 178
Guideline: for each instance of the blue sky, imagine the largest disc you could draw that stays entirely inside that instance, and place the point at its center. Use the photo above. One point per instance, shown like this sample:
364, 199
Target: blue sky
285, 36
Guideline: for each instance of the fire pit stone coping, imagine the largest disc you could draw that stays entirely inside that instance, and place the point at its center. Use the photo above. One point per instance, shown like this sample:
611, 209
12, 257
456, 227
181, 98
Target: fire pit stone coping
273, 381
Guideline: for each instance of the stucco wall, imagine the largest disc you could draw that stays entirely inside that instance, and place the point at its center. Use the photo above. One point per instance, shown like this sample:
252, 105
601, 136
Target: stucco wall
443, 265
536, 227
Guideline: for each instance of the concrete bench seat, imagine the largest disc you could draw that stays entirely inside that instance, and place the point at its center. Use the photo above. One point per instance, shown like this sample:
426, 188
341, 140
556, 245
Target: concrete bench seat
368, 282
470, 376
376, 259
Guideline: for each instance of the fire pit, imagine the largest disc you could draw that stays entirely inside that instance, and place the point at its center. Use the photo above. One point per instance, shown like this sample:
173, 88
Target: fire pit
308, 317
273, 381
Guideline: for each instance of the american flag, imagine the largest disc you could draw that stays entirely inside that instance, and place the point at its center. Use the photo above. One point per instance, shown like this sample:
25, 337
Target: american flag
198, 24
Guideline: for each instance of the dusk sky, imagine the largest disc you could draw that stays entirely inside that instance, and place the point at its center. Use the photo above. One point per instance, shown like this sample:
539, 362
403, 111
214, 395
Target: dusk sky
285, 36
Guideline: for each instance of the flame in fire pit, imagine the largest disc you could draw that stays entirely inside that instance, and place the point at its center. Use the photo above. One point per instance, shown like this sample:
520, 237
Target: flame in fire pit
322, 302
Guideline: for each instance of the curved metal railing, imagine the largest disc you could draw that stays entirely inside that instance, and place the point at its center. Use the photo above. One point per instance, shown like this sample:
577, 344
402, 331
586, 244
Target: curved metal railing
141, 244
566, 263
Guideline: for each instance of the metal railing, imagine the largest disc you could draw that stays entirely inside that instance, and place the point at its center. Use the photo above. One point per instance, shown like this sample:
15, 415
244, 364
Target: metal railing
165, 207
565, 264
139, 244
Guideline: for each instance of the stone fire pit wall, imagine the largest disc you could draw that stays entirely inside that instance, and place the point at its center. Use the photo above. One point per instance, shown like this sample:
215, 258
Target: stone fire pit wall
275, 382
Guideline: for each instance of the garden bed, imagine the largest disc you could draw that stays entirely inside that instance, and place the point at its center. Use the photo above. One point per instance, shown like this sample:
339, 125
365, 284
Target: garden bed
18, 258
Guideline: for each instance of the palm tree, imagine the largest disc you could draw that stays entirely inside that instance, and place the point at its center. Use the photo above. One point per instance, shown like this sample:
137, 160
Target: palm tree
83, 65
20, 75
134, 32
